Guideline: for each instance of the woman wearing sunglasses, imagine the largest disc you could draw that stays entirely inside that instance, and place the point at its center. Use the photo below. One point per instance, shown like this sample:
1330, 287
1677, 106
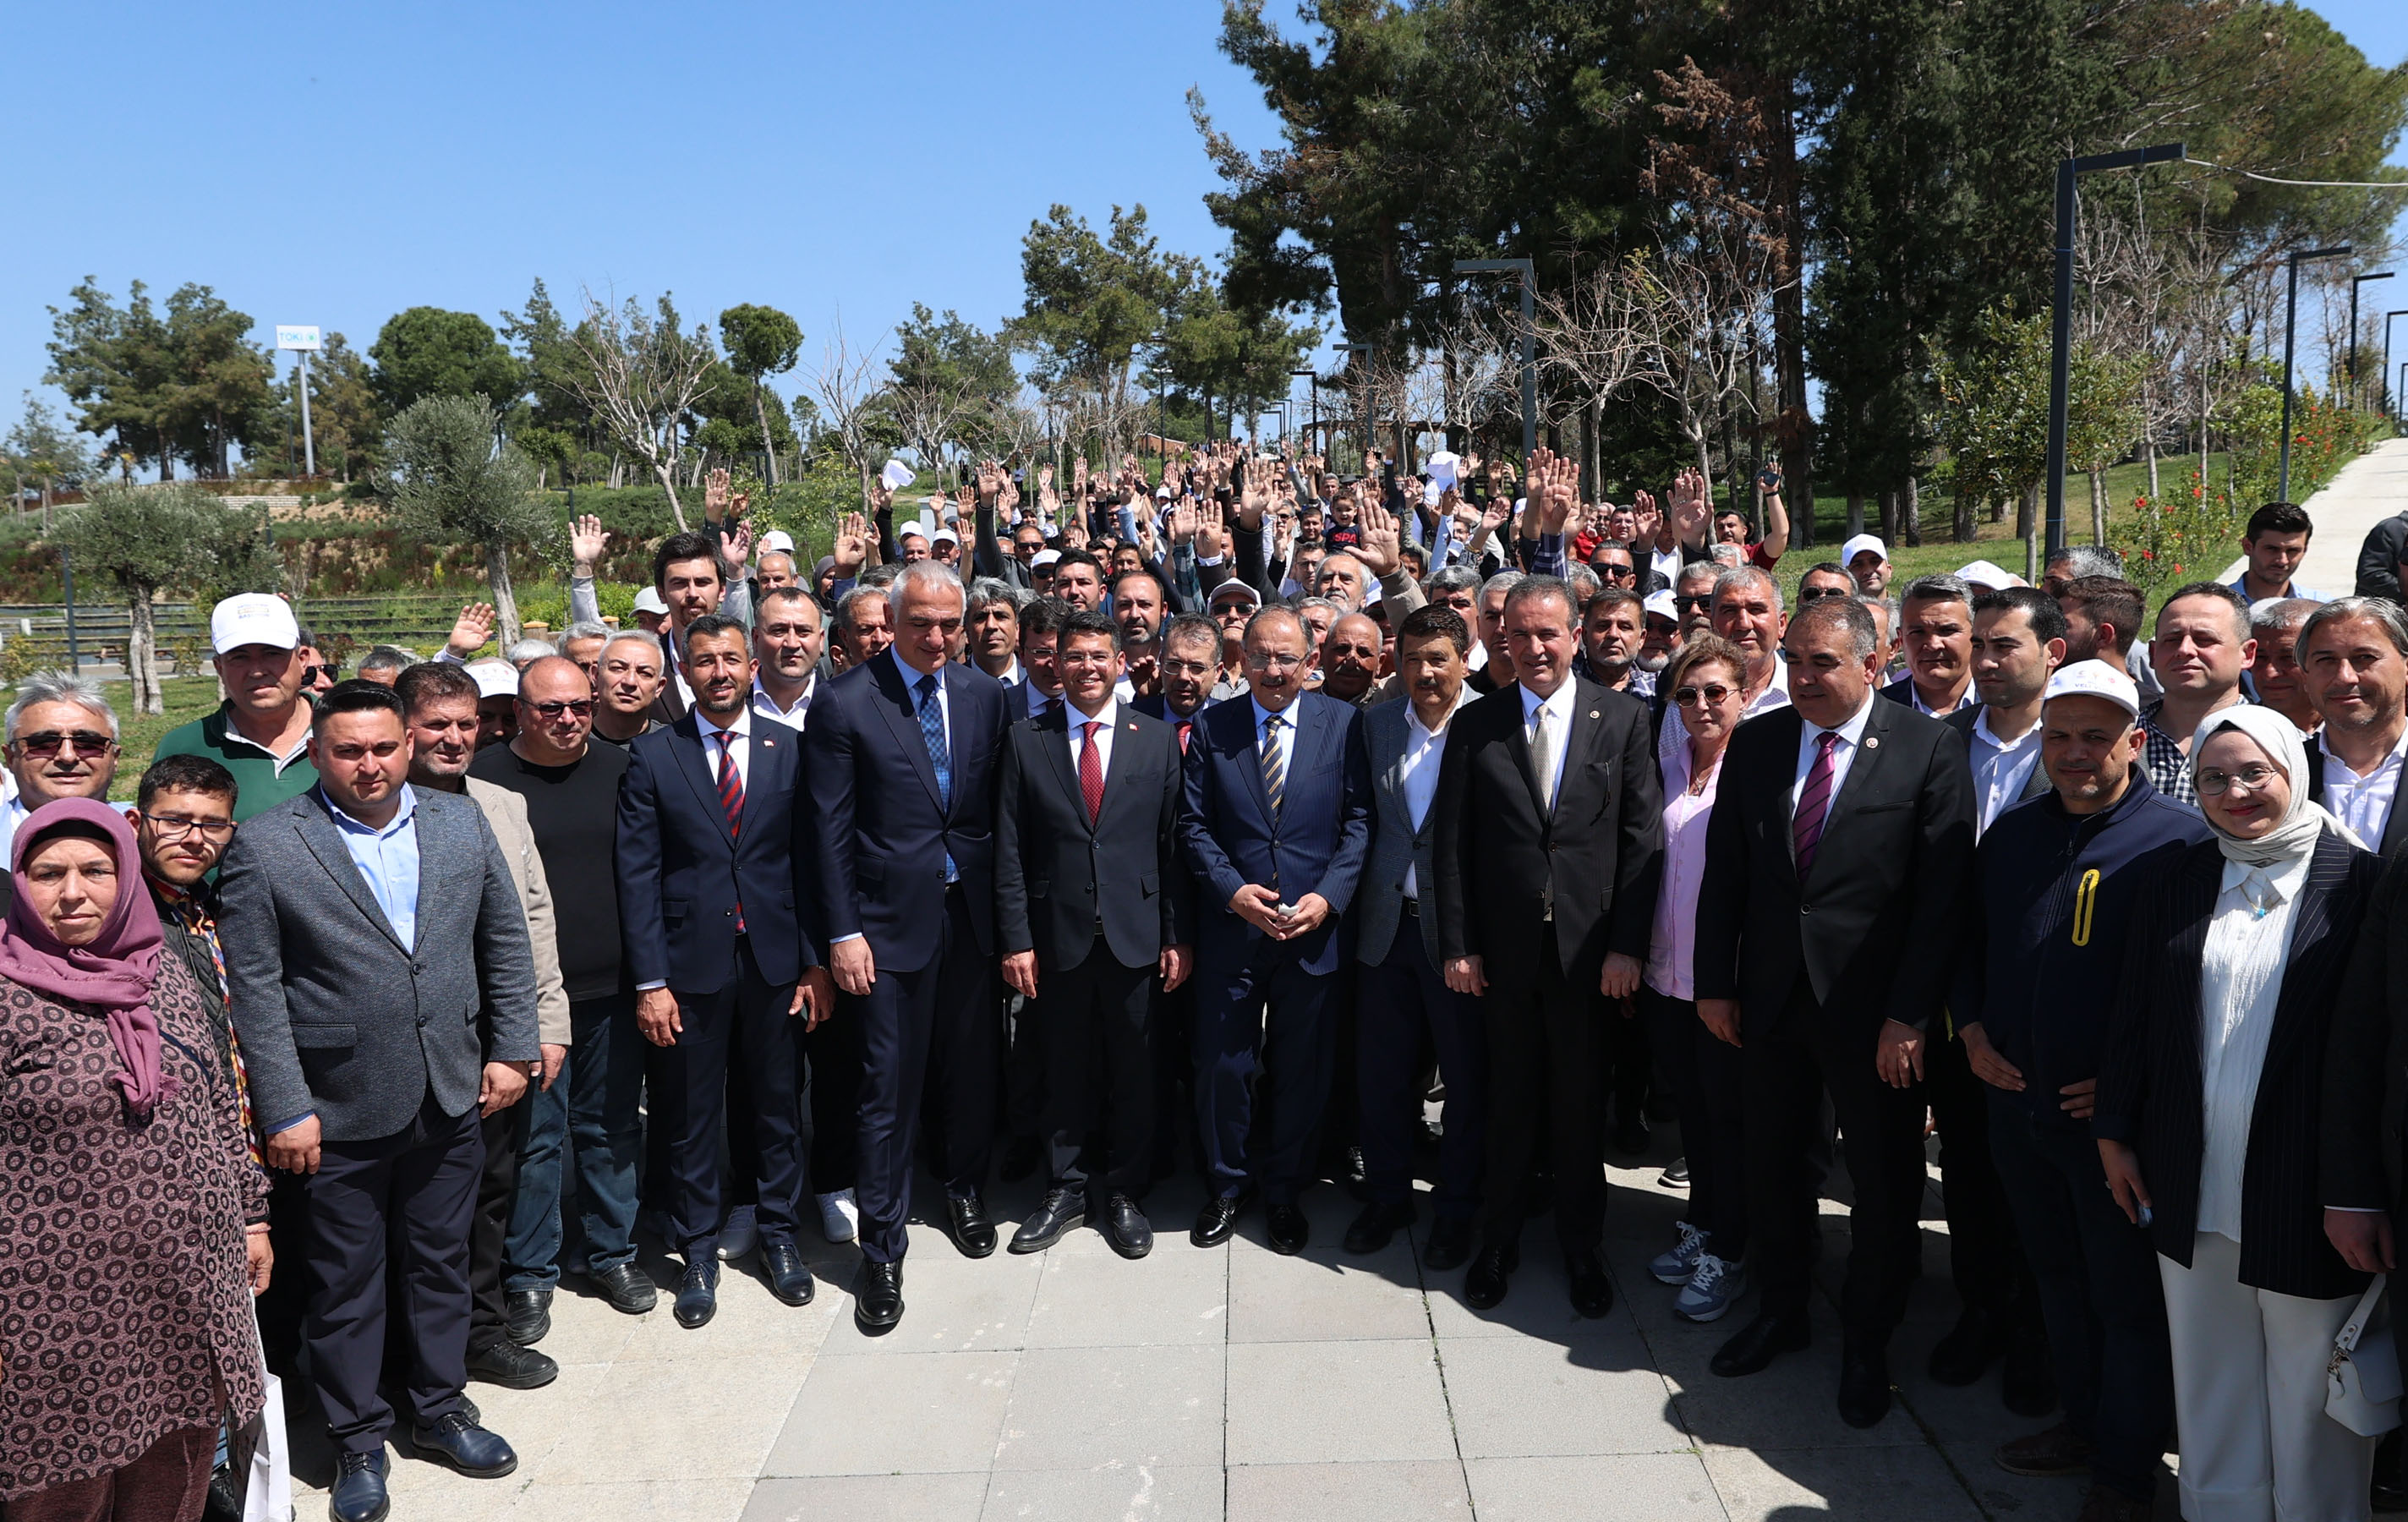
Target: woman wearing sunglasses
1704, 684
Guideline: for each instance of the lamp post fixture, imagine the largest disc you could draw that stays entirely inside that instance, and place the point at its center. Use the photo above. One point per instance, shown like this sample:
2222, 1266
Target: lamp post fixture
2383, 373
1529, 271
2061, 350
2354, 282
2290, 325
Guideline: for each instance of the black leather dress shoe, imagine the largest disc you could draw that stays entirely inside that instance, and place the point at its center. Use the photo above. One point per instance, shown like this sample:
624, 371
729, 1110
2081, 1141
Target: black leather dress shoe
1378, 1226
1058, 1212
1126, 1228
1449, 1245
1289, 1231
966, 1219
526, 1315
1218, 1218
878, 1298
698, 1295
1485, 1287
457, 1439
359, 1494
1759, 1342
626, 1289
505, 1363
1020, 1156
1592, 1291
1969, 1348
1864, 1386
2027, 1380
790, 1278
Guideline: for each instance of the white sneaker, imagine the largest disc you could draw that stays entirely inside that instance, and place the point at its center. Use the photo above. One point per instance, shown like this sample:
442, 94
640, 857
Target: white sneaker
739, 1236
840, 1217
1710, 1290
1675, 1267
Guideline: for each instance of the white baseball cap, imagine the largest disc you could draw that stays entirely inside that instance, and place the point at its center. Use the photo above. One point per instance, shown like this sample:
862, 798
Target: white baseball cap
1660, 605
1984, 573
1223, 593
494, 678
648, 600
2095, 679
1042, 558
1861, 543
254, 618
945, 534
777, 541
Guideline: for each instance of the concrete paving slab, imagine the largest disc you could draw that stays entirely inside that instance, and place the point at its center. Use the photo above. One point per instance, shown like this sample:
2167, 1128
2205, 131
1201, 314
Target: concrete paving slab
870, 1498
1518, 1398
903, 1414
1079, 1408
1325, 1295
1343, 1402
1876, 1484
1368, 1492
1175, 1295
1614, 1487
1110, 1492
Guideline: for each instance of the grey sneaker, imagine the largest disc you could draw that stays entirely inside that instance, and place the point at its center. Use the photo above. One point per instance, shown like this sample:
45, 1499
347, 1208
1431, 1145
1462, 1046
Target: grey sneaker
1674, 1267
1710, 1290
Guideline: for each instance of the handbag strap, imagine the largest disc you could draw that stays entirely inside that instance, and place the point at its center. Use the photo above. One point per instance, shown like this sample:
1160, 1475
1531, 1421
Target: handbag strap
2345, 1341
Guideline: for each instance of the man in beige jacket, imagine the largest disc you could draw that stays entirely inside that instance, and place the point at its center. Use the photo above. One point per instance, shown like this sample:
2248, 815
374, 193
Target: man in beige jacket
442, 718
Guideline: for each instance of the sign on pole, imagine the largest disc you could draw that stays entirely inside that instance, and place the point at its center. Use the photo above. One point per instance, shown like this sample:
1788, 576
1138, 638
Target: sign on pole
304, 338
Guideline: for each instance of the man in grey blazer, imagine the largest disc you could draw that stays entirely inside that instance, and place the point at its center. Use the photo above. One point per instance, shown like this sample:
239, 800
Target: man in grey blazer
379, 1023
1402, 992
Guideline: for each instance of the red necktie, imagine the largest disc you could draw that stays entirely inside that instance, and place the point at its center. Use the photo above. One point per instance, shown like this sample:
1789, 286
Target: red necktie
731, 800
1184, 725
1091, 773
1814, 803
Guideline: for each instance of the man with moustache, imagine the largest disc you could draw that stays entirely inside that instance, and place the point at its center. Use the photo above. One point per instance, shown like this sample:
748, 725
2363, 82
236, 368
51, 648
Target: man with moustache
1613, 636
627, 685
2055, 885
62, 743
1349, 660
865, 624
2274, 676
261, 733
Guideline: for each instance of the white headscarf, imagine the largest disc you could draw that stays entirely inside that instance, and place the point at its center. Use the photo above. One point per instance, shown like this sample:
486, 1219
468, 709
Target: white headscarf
2293, 838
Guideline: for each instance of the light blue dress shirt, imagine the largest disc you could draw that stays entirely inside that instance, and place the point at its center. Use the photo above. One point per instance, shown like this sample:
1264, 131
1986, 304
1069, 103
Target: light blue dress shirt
388, 858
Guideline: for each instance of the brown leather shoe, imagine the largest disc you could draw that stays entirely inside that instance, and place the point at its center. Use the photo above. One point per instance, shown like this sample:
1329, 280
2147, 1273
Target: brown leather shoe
2057, 1451
2103, 1504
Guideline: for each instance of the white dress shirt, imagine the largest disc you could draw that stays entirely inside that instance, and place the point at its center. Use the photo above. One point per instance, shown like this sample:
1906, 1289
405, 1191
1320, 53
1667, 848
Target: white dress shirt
1108, 716
1558, 712
2364, 803
1286, 734
1418, 772
793, 718
1809, 735
1914, 697
715, 743
2239, 978
2001, 770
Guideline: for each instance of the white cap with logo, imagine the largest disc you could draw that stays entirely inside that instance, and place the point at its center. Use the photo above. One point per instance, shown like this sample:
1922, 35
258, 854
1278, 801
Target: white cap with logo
1861, 543
495, 677
254, 618
1660, 605
2095, 679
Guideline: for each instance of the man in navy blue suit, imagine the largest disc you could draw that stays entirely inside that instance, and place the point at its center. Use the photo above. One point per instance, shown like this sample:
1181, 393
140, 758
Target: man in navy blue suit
1278, 822
712, 899
903, 756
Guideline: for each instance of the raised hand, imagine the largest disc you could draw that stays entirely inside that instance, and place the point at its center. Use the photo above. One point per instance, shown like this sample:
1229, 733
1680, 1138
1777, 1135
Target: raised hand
881, 497
991, 477
851, 545
1381, 546
1182, 525
714, 494
469, 633
1211, 529
739, 544
1255, 498
1692, 513
587, 539
1045, 475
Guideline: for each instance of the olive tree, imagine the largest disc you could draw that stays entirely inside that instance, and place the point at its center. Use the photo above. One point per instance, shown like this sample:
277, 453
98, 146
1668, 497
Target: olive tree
149, 539
455, 480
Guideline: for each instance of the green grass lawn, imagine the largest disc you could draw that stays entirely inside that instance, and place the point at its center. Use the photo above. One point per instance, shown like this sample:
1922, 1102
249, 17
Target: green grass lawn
187, 699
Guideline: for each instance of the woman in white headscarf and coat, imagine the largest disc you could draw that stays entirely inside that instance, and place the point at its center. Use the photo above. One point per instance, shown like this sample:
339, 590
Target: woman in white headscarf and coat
2206, 1120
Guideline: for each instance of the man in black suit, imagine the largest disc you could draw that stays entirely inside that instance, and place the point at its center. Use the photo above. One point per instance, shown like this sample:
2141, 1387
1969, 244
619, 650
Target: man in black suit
1191, 664
903, 755
2352, 656
1092, 901
1549, 852
714, 889
1837, 862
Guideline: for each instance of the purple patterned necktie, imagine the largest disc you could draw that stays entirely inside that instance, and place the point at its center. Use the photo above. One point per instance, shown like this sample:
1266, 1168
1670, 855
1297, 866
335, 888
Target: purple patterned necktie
1814, 803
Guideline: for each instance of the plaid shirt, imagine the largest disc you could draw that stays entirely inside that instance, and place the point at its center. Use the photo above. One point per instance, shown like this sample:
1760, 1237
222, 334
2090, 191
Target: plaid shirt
2162, 754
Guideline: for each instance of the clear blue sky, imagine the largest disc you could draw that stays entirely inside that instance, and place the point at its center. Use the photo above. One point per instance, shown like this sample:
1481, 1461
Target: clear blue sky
334, 163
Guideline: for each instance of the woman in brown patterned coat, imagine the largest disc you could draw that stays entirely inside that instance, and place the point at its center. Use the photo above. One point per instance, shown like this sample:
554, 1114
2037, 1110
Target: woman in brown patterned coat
131, 1220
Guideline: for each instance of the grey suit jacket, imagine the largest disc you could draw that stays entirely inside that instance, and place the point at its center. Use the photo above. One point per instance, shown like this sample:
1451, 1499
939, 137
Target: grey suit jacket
1395, 843
338, 1021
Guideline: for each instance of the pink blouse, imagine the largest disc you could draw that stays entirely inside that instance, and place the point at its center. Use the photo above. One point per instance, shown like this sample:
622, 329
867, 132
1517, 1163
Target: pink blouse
1671, 949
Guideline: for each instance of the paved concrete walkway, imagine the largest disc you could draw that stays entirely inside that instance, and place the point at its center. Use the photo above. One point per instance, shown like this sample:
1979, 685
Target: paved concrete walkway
1232, 1383
2366, 491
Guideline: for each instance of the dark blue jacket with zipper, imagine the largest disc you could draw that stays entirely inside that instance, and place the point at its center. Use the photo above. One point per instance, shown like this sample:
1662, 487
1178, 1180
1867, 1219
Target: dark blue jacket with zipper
2055, 893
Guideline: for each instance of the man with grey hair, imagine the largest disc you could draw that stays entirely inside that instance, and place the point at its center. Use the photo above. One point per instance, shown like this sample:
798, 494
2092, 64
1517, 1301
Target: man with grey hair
1936, 629
992, 623
527, 651
2353, 654
2073, 562
62, 744
1495, 669
2274, 679
864, 624
583, 642
1748, 613
1693, 597
384, 663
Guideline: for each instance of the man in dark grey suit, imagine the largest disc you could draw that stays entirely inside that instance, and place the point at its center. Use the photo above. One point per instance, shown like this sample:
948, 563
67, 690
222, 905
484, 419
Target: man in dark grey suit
379, 1023
1402, 993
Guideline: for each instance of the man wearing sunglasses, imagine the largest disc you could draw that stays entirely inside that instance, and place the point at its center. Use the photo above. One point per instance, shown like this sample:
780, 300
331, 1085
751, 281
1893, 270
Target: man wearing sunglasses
262, 732
62, 744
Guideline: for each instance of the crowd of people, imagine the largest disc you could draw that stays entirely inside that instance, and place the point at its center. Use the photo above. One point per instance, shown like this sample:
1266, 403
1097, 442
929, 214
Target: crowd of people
1259, 822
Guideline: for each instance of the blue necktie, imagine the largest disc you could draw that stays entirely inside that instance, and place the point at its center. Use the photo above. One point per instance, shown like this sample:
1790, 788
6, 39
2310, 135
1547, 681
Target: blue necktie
932, 729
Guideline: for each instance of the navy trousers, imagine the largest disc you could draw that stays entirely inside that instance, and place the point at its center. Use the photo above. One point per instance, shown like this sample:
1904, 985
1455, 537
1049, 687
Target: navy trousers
1263, 1013
1395, 1003
739, 1032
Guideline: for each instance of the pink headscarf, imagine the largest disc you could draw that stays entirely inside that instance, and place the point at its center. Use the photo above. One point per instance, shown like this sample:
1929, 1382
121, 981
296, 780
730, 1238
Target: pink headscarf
115, 970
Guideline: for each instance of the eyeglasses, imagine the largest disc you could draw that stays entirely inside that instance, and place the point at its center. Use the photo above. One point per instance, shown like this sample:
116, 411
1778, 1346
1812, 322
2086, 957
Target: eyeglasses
1264, 661
582, 708
310, 674
2252, 779
175, 828
90, 744
1620, 573
1810, 593
1690, 696
1701, 600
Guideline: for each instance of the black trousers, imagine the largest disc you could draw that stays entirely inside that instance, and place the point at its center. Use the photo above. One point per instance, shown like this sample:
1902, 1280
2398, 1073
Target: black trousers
930, 1044
1784, 1072
1098, 1073
1174, 1077
420, 1184
1627, 1051
1263, 1015
497, 1185
834, 1052
1984, 1258
1703, 1072
2098, 1290
1023, 1066
740, 1033
1544, 1042
1399, 1005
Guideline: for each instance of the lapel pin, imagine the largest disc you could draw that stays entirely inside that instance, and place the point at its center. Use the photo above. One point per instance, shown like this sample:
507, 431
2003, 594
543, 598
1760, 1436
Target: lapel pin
1873, 743
1592, 713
